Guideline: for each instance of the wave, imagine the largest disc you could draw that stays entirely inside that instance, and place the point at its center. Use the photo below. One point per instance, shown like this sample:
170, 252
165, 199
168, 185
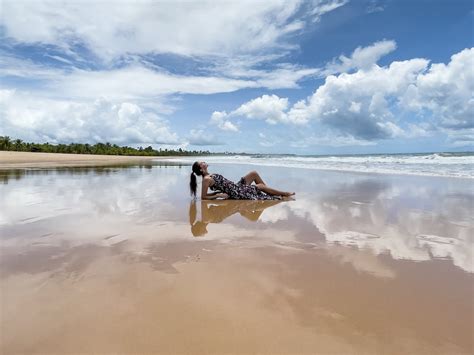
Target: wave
458, 165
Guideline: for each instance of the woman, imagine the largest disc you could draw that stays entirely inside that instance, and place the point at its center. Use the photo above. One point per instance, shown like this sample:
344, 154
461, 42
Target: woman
223, 188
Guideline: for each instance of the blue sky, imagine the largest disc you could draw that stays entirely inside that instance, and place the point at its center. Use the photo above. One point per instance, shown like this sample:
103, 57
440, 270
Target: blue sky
304, 77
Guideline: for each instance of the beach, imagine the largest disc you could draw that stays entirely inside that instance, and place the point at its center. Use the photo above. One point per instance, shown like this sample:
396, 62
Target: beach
120, 259
15, 160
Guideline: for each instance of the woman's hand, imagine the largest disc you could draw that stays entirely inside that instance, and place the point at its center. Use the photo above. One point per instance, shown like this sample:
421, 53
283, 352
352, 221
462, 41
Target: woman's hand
223, 195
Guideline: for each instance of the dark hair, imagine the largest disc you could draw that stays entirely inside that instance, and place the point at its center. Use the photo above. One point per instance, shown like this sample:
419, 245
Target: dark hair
192, 182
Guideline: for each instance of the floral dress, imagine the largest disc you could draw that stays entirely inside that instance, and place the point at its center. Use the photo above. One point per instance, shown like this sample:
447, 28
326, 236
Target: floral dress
240, 190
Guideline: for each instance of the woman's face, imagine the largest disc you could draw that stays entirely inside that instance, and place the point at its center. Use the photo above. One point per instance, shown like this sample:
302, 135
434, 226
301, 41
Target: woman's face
203, 165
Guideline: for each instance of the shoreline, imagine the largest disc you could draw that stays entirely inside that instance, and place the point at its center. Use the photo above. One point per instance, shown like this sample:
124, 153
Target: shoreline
18, 160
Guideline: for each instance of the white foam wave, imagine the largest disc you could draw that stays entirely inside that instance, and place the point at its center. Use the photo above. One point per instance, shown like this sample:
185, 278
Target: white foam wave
460, 166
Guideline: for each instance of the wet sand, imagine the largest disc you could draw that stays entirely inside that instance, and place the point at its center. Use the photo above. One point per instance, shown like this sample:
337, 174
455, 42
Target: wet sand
16, 160
121, 260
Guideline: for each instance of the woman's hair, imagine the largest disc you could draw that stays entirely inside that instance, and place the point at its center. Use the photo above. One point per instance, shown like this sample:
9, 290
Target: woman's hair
192, 182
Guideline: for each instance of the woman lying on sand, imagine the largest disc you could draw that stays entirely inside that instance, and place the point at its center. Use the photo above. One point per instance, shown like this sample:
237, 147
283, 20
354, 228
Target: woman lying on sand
223, 188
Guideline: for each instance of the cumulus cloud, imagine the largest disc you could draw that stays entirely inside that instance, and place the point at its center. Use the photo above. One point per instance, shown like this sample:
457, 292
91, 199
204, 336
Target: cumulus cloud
218, 118
40, 119
447, 90
356, 104
365, 104
360, 104
270, 108
191, 29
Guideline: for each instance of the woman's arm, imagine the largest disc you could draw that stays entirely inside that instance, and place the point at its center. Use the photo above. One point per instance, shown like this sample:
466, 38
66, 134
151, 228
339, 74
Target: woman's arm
215, 196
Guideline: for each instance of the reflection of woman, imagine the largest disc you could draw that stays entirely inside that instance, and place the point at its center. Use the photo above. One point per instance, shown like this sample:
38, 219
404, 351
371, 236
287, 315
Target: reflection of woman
224, 188
218, 210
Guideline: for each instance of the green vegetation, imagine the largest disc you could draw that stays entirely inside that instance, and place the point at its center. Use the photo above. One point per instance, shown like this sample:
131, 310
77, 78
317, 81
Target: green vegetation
6, 143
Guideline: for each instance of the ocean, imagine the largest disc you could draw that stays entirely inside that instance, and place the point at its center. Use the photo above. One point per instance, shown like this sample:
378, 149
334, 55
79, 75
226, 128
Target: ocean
459, 165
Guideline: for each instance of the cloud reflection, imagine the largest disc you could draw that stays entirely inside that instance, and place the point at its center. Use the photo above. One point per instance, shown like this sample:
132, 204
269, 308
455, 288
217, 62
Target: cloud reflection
408, 222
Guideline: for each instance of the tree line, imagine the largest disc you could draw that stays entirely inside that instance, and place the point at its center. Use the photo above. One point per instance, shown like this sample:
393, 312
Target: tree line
18, 145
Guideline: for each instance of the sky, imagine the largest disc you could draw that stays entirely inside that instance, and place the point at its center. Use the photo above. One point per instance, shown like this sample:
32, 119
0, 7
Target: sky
299, 77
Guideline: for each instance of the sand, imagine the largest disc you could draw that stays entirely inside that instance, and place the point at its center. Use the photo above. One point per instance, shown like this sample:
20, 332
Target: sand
122, 260
15, 160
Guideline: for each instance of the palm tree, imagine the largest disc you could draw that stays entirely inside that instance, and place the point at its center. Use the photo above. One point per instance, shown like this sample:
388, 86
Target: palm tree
18, 145
5, 143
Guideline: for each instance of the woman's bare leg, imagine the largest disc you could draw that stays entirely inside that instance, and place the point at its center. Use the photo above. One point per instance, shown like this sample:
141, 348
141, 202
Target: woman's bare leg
253, 177
272, 191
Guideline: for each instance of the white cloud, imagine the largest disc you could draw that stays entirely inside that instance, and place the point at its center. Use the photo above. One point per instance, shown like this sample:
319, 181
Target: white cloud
374, 6
462, 138
143, 82
112, 29
279, 76
147, 88
355, 104
202, 137
270, 108
322, 7
26, 69
360, 95
40, 119
365, 105
88, 34
447, 90
284, 78
218, 118
139, 82
362, 58
358, 104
